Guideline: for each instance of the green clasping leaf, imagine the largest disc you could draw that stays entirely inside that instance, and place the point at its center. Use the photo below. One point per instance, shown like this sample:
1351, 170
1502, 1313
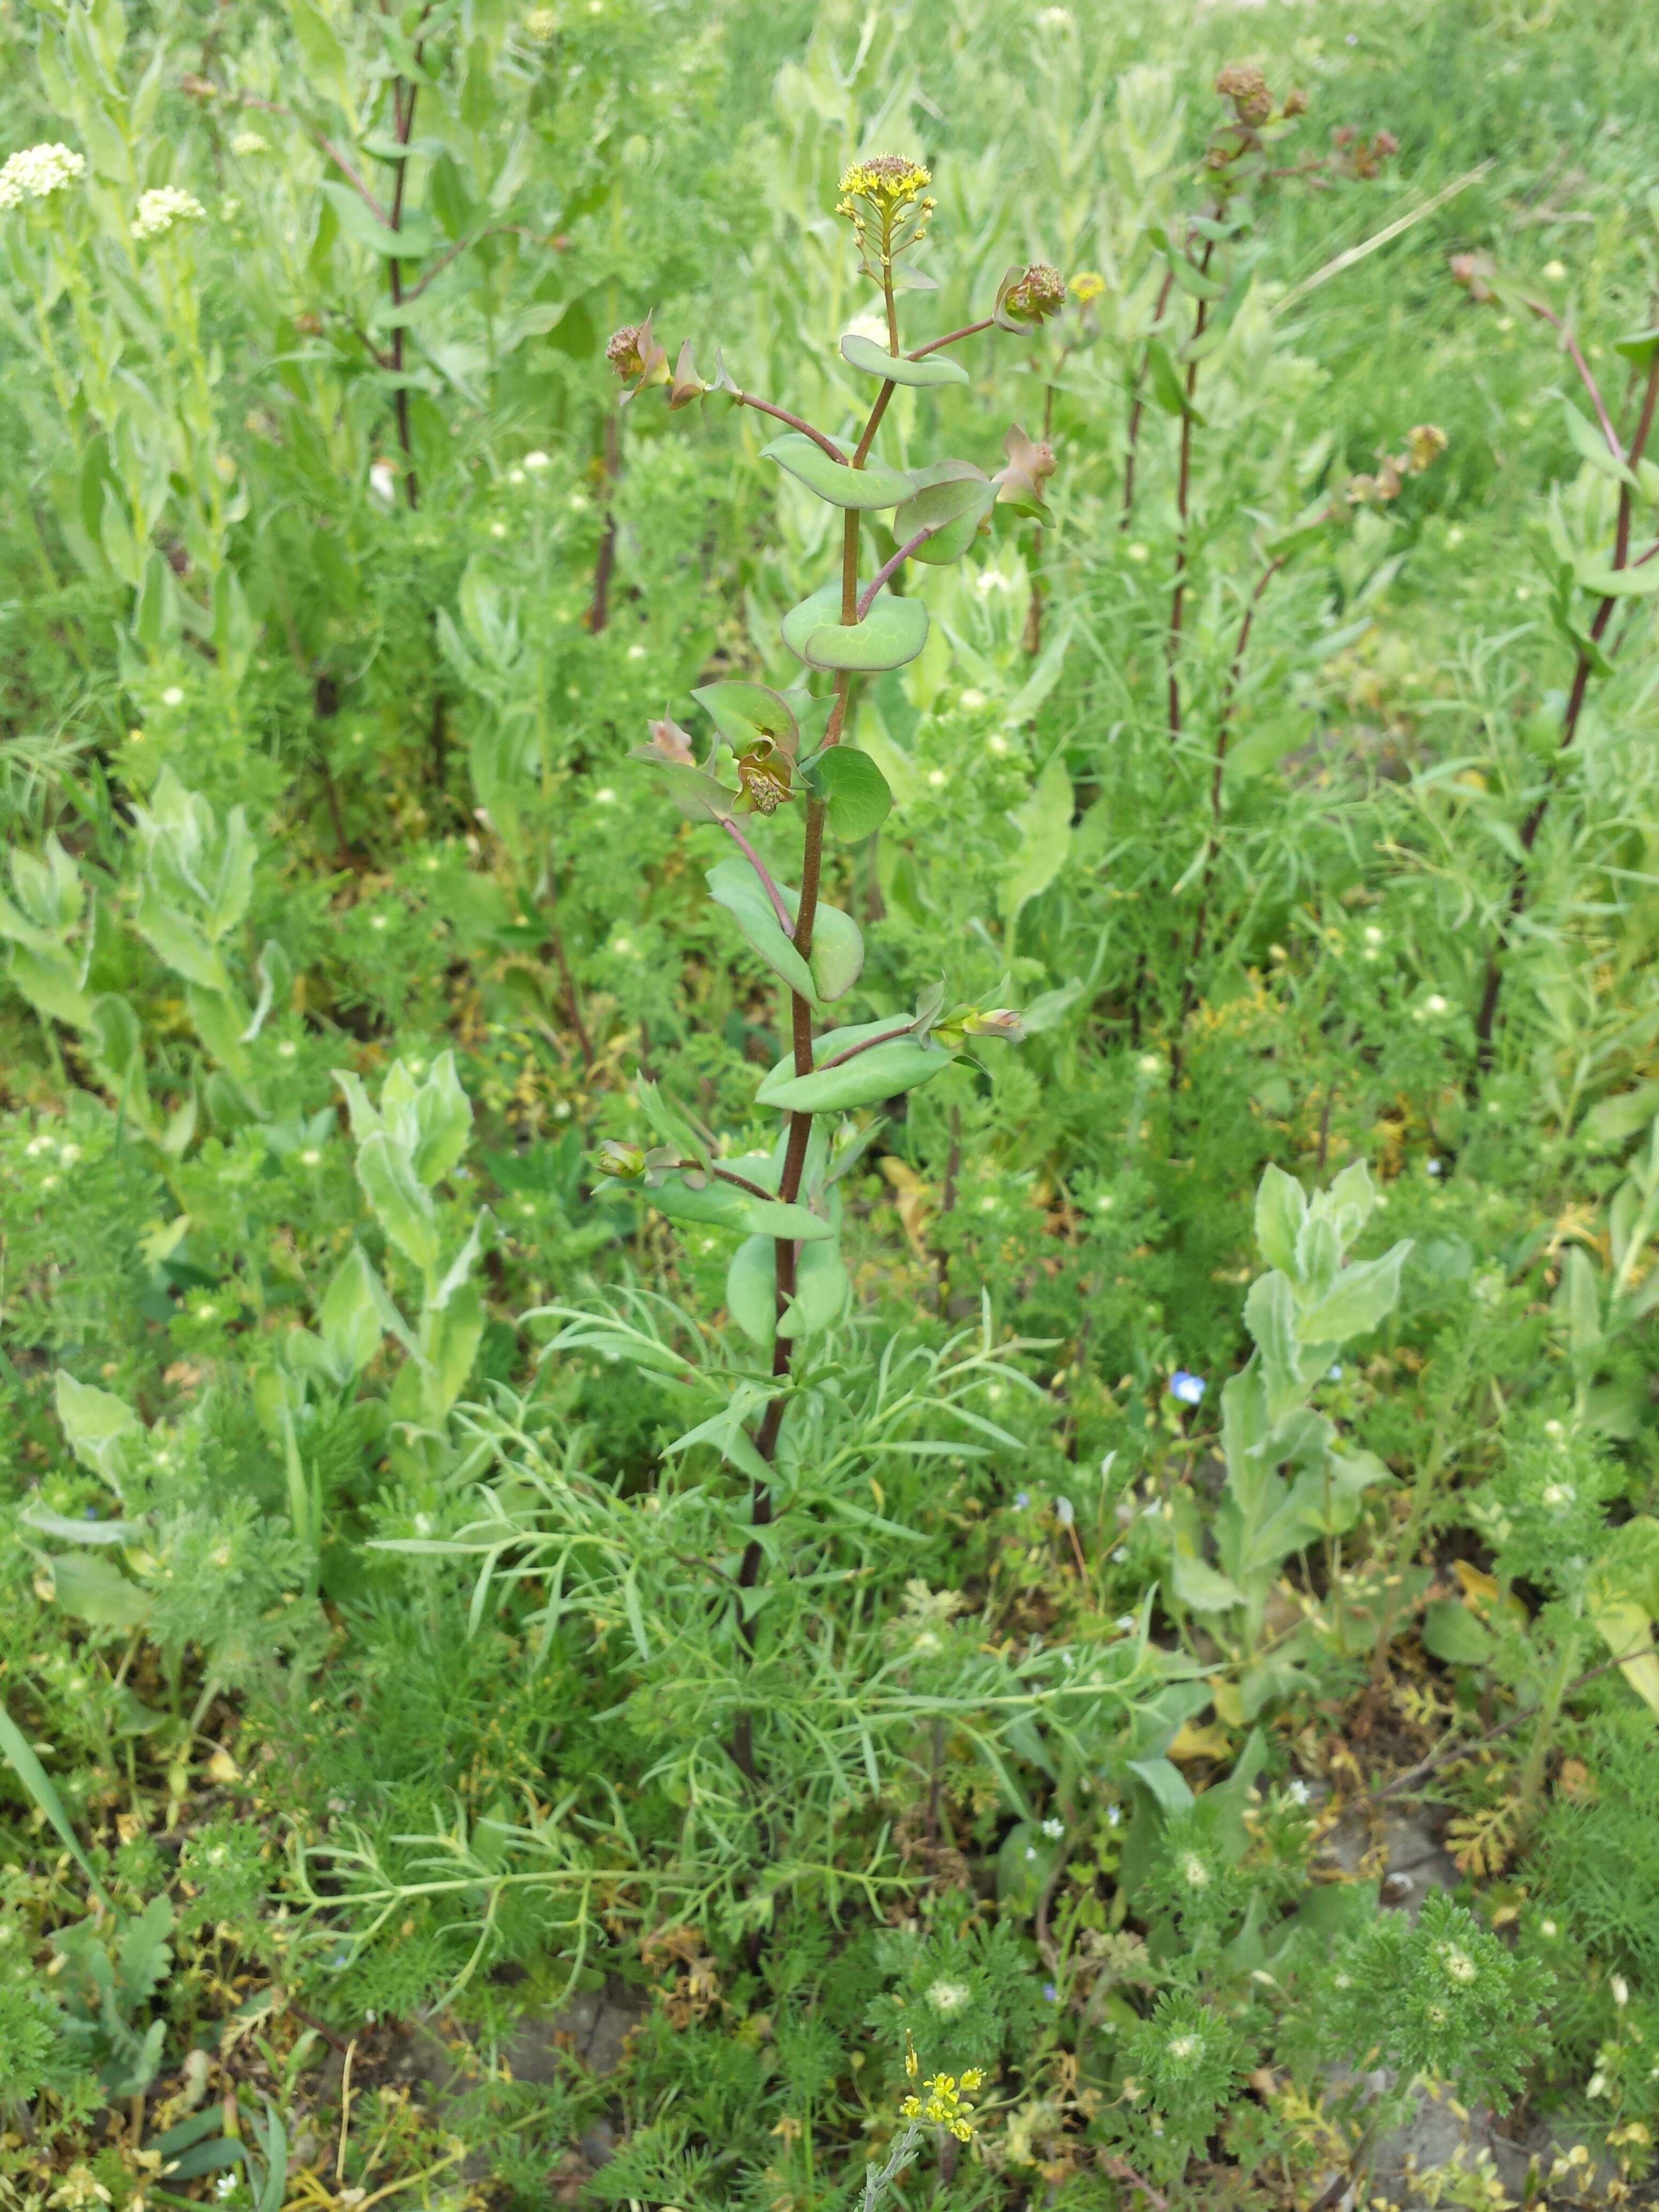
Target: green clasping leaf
837, 952
953, 500
876, 361
855, 792
873, 485
900, 1061
893, 632
748, 713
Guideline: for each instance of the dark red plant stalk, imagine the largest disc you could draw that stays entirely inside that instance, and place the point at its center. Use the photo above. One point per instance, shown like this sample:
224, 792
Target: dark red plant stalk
1485, 1018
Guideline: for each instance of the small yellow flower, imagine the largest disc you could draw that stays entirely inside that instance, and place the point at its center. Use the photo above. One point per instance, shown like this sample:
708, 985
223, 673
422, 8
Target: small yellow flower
942, 2106
1088, 285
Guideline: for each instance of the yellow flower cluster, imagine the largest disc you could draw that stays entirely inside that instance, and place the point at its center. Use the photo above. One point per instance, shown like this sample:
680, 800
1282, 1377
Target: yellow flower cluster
941, 2104
886, 180
893, 188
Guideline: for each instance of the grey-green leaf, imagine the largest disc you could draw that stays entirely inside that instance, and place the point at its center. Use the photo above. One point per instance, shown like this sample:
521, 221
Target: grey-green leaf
882, 1070
743, 713
724, 1206
855, 792
953, 499
822, 1290
416, 236
875, 361
751, 1288
837, 945
873, 485
893, 632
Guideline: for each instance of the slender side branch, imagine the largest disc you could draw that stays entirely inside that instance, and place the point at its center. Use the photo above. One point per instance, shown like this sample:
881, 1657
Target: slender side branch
795, 422
759, 865
968, 330
1570, 344
890, 567
326, 146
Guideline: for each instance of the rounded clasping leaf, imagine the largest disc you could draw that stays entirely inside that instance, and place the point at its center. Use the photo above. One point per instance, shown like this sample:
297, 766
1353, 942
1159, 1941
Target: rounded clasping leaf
864, 353
893, 632
873, 485
953, 500
856, 797
900, 1062
837, 954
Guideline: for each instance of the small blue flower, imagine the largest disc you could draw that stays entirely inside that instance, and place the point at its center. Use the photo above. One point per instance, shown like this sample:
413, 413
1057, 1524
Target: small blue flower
88, 1512
1022, 1497
1050, 1992
1188, 1388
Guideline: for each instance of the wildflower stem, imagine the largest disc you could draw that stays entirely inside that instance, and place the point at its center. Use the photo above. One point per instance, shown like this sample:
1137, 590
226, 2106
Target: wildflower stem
891, 568
403, 96
1487, 1017
1212, 847
598, 613
800, 1124
968, 330
1138, 406
795, 422
1183, 489
759, 865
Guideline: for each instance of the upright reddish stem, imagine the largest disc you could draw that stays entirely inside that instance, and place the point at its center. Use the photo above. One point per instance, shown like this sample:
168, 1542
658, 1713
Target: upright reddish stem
403, 96
1183, 489
1487, 1016
1138, 405
1212, 847
785, 1250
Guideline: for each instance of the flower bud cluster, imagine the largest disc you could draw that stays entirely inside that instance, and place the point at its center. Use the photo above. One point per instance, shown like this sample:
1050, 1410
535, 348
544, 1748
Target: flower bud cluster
1424, 443
1359, 156
1039, 291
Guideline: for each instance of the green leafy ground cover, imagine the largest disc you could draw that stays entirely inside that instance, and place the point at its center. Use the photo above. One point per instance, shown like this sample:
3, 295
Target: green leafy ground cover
826, 1321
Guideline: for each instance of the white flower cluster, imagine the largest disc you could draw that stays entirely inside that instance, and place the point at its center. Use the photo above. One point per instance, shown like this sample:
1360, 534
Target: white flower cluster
158, 209
35, 172
245, 144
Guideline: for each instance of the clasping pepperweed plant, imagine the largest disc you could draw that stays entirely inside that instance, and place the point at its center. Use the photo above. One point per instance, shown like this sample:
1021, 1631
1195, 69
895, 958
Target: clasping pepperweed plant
787, 1280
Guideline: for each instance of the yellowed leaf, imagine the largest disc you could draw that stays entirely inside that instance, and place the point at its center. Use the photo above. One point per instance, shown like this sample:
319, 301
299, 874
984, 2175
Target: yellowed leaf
1229, 1703
1192, 1742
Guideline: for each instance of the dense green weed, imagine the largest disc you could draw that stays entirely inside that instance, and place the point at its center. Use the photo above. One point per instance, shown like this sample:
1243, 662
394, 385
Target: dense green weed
914, 1585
